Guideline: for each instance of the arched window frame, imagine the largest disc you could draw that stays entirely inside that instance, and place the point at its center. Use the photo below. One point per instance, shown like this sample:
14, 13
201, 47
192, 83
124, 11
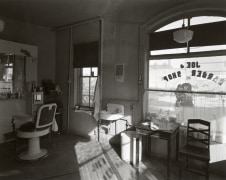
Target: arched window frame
178, 12
161, 20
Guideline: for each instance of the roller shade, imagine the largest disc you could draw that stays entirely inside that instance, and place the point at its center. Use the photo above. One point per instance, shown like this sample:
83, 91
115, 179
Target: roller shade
204, 35
86, 54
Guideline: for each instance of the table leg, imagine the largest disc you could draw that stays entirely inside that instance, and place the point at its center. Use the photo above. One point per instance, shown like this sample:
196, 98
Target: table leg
13, 126
115, 127
169, 158
177, 146
140, 146
149, 146
98, 129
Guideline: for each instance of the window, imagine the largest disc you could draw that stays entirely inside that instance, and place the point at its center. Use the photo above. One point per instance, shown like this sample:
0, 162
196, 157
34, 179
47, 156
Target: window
88, 78
86, 58
209, 35
189, 80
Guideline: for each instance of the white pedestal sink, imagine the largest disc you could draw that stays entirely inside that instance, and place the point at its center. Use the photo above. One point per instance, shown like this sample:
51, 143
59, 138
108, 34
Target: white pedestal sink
107, 115
112, 113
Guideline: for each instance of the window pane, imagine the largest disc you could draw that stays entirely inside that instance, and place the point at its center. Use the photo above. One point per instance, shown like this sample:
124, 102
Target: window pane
87, 86
8, 76
175, 107
205, 19
85, 91
85, 100
86, 71
94, 71
93, 81
92, 85
207, 48
169, 51
174, 25
205, 74
196, 89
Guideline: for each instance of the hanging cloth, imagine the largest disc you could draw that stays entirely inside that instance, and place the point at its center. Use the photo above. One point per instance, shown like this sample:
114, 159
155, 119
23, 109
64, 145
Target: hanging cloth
97, 99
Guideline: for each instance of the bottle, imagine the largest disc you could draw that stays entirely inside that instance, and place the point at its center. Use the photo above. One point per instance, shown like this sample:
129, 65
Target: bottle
9, 93
213, 127
160, 115
167, 116
33, 87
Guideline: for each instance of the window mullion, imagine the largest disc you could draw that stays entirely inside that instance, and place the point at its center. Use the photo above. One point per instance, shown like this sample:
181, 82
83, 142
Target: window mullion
90, 85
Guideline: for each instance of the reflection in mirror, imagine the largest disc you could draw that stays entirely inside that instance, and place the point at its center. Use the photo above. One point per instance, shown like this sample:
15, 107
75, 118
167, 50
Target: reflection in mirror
12, 76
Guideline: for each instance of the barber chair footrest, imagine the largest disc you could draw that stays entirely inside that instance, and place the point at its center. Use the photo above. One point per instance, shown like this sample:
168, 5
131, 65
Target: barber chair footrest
28, 156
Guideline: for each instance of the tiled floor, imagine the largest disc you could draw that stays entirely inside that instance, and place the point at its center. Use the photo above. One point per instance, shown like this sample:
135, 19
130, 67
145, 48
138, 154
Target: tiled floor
62, 163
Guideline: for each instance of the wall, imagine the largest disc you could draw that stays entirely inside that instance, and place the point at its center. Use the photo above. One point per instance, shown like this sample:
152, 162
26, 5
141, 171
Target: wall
62, 64
42, 37
80, 123
121, 46
7, 109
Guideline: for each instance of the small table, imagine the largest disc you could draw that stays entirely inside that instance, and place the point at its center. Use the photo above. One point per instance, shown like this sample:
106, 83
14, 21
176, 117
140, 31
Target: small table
167, 131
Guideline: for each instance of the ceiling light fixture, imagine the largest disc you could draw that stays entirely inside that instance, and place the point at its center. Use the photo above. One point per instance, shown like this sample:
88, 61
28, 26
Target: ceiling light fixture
183, 35
2, 25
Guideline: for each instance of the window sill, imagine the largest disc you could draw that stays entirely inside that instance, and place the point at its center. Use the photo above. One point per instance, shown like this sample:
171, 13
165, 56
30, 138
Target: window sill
84, 110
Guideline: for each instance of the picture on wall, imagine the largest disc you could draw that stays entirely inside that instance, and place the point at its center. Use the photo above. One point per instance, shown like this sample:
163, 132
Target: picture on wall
119, 73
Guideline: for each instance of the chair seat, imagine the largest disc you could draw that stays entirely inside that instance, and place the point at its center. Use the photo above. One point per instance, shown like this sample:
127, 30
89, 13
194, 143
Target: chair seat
195, 152
27, 127
28, 130
33, 134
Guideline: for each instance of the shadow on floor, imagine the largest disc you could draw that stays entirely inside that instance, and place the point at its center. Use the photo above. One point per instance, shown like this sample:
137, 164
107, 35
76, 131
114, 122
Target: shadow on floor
61, 160
62, 163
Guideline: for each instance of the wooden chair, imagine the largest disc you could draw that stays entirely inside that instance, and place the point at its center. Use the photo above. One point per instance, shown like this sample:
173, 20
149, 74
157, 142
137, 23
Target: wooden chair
197, 147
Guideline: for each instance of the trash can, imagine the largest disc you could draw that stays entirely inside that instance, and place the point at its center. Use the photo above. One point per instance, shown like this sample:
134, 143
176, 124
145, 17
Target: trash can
130, 147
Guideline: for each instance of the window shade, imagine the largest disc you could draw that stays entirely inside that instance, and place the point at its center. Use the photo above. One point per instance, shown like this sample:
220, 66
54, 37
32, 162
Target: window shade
204, 35
86, 55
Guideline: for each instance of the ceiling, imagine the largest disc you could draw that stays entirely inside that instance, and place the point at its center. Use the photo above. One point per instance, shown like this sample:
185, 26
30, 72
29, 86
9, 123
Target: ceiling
55, 13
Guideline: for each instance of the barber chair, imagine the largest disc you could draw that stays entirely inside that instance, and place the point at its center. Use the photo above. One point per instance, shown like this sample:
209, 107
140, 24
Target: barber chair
34, 130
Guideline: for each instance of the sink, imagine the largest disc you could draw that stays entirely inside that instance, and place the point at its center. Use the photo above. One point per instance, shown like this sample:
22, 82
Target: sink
107, 115
113, 112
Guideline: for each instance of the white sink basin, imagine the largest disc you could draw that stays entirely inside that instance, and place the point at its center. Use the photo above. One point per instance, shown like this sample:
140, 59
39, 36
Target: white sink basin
107, 115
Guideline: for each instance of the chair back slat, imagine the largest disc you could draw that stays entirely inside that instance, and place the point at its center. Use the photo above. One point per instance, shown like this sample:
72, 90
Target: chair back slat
198, 133
45, 115
203, 141
201, 131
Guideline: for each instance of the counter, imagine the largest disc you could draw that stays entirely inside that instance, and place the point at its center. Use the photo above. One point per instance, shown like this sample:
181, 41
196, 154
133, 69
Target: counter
9, 107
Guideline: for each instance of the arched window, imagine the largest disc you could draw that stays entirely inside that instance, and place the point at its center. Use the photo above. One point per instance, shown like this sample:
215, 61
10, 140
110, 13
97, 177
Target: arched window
209, 35
188, 80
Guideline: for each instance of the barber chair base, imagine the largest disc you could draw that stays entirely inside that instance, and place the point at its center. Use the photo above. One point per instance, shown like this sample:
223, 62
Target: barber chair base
30, 157
34, 151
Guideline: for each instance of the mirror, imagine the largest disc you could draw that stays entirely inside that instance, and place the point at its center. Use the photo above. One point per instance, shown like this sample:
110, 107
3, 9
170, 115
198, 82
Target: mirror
12, 76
